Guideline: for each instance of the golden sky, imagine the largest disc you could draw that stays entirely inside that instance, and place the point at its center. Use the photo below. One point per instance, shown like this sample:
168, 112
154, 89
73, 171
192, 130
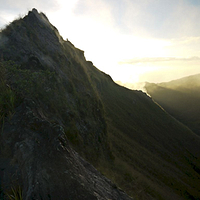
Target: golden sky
132, 40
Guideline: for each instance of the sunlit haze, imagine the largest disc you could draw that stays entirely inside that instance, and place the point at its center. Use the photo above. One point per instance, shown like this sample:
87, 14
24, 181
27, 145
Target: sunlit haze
133, 41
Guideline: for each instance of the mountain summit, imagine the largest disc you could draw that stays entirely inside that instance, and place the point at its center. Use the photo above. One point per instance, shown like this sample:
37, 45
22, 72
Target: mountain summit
51, 102
60, 116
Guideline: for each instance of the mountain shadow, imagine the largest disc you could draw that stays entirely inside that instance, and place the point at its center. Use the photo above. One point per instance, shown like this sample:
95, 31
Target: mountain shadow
180, 98
59, 113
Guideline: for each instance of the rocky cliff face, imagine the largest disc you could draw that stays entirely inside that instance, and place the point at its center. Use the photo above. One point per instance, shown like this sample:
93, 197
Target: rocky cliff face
48, 98
37, 158
49, 70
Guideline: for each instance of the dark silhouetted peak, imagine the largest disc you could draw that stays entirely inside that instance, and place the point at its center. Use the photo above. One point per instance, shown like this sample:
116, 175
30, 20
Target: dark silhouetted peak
34, 16
35, 13
34, 10
31, 35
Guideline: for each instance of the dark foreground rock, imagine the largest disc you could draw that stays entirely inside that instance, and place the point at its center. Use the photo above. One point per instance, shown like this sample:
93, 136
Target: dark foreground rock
38, 159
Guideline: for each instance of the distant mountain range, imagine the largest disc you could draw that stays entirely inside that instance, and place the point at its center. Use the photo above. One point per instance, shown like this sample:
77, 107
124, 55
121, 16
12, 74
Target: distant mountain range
180, 98
60, 116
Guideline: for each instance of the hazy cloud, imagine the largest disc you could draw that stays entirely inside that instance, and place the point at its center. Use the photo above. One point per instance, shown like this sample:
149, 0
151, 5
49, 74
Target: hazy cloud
158, 59
98, 11
149, 18
166, 18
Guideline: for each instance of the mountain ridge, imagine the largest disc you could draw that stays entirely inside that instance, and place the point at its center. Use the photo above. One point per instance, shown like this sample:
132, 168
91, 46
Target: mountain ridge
67, 105
180, 98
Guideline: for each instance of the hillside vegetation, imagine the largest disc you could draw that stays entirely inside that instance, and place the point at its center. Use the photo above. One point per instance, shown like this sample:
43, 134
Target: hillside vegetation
57, 104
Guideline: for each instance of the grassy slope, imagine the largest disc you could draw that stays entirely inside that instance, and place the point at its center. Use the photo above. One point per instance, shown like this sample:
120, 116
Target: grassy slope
180, 98
154, 154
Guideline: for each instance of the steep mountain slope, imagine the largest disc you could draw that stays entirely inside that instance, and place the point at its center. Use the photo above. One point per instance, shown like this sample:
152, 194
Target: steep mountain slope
52, 98
48, 69
157, 152
47, 97
180, 98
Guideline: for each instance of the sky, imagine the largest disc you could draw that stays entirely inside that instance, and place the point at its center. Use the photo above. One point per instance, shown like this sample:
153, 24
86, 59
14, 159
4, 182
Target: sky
131, 40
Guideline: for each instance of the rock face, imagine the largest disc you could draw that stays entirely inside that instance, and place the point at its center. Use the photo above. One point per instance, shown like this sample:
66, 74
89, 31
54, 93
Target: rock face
49, 70
44, 165
36, 158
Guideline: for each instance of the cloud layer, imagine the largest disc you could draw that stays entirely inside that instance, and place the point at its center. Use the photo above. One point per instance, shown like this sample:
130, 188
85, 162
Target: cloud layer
163, 19
159, 59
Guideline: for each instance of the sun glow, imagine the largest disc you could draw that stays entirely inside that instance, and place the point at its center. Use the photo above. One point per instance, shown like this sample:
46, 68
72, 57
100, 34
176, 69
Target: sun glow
122, 39
114, 50
111, 50
104, 45
123, 48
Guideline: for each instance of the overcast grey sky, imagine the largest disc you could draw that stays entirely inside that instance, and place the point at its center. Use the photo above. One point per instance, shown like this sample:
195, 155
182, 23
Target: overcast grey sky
132, 40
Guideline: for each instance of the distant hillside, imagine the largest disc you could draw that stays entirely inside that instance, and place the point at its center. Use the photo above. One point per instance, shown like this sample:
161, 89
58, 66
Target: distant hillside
59, 113
181, 98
